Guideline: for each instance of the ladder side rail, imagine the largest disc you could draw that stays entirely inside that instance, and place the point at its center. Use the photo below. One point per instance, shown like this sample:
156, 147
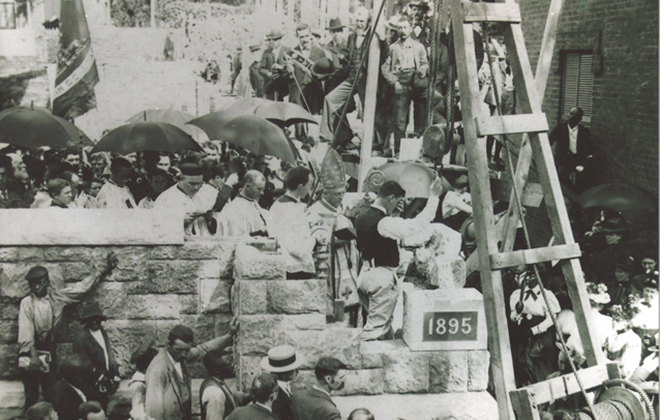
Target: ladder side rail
493, 293
528, 101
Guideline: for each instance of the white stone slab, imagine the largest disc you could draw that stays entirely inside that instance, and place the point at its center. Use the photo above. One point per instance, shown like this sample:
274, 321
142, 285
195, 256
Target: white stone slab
444, 320
56, 226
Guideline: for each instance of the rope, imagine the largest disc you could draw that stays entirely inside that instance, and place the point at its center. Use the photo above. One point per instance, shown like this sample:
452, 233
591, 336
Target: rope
295, 79
639, 390
450, 99
365, 54
509, 167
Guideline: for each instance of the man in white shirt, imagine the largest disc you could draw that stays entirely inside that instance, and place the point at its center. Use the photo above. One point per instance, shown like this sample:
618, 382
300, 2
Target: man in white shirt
377, 236
574, 149
115, 194
216, 399
188, 198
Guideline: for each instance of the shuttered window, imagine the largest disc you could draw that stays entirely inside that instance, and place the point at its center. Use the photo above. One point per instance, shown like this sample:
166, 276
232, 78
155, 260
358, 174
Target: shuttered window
577, 83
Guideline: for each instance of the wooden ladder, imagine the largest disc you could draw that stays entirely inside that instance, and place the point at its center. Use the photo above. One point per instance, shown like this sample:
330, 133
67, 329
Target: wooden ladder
533, 126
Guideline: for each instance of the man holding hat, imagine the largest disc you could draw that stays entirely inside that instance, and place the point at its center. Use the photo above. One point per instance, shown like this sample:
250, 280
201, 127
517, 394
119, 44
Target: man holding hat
191, 197
283, 363
93, 341
272, 66
168, 379
39, 315
314, 402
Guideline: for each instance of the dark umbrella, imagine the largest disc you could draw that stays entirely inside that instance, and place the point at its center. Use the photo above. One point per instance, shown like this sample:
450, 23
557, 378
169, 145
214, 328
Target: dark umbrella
618, 197
171, 116
146, 136
30, 128
280, 113
251, 132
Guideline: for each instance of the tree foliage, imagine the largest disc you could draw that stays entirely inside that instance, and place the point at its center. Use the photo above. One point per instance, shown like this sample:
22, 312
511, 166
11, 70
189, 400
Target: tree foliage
131, 13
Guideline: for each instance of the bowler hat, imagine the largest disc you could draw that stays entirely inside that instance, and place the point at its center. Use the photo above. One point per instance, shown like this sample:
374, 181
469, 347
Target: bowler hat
323, 67
335, 24
92, 310
36, 273
281, 359
274, 34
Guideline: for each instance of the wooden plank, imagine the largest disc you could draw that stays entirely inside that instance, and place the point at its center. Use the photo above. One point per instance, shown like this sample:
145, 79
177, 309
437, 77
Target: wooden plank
528, 103
373, 71
547, 47
511, 124
520, 180
482, 204
533, 256
491, 12
502, 190
523, 405
566, 385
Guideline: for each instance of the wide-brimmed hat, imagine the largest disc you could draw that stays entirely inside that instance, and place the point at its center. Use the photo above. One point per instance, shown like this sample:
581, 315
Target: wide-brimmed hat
92, 310
334, 24
614, 225
274, 34
281, 359
323, 67
393, 22
254, 48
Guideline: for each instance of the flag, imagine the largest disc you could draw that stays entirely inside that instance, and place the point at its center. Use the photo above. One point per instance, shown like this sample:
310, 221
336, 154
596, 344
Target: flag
76, 66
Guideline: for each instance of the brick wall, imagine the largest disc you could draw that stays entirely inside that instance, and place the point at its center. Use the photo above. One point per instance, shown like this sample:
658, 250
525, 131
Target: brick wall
624, 124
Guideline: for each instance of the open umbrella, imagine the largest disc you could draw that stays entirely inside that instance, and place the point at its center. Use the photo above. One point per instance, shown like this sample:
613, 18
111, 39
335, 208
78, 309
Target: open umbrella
251, 132
28, 127
280, 113
171, 116
146, 136
415, 178
617, 196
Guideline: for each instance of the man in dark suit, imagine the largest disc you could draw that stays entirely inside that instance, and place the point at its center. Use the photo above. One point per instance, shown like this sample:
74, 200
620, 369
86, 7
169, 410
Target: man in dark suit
314, 402
272, 67
74, 387
9, 199
264, 392
94, 342
282, 362
574, 150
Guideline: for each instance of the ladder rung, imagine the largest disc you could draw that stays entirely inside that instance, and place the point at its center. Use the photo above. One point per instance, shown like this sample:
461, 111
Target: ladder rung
491, 12
511, 124
534, 255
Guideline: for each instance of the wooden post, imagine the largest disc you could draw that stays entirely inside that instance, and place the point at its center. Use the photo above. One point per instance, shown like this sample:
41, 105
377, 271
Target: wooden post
153, 5
547, 48
482, 203
369, 120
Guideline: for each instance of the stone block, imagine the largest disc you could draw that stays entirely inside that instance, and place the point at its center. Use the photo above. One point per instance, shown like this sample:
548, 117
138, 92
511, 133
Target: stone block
305, 322
76, 271
446, 272
146, 307
111, 296
9, 254
209, 269
13, 283
30, 254
125, 337
12, 394
214, 296
406, 372
248, 368
225, 256
449, 371
297, 296
342, 343
478, 364
258, 333
8, 331
189, 304
8, 361
203, 327
252, 297
132, 264
199, 249
70, 253
84, 227
9, 308
371, 352
252, 264
164, 252
444, 320
222, 324
168, 277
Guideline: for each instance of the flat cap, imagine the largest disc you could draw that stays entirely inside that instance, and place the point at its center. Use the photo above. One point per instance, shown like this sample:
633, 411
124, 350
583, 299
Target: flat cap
36, 273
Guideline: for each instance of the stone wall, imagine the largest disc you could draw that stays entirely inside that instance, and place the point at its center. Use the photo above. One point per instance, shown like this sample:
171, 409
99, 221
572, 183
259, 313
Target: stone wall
152, 289
275, 311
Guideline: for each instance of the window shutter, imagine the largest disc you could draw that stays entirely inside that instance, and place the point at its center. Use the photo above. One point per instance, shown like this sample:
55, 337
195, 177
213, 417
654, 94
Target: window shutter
571, 80
586, 85
578, 82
